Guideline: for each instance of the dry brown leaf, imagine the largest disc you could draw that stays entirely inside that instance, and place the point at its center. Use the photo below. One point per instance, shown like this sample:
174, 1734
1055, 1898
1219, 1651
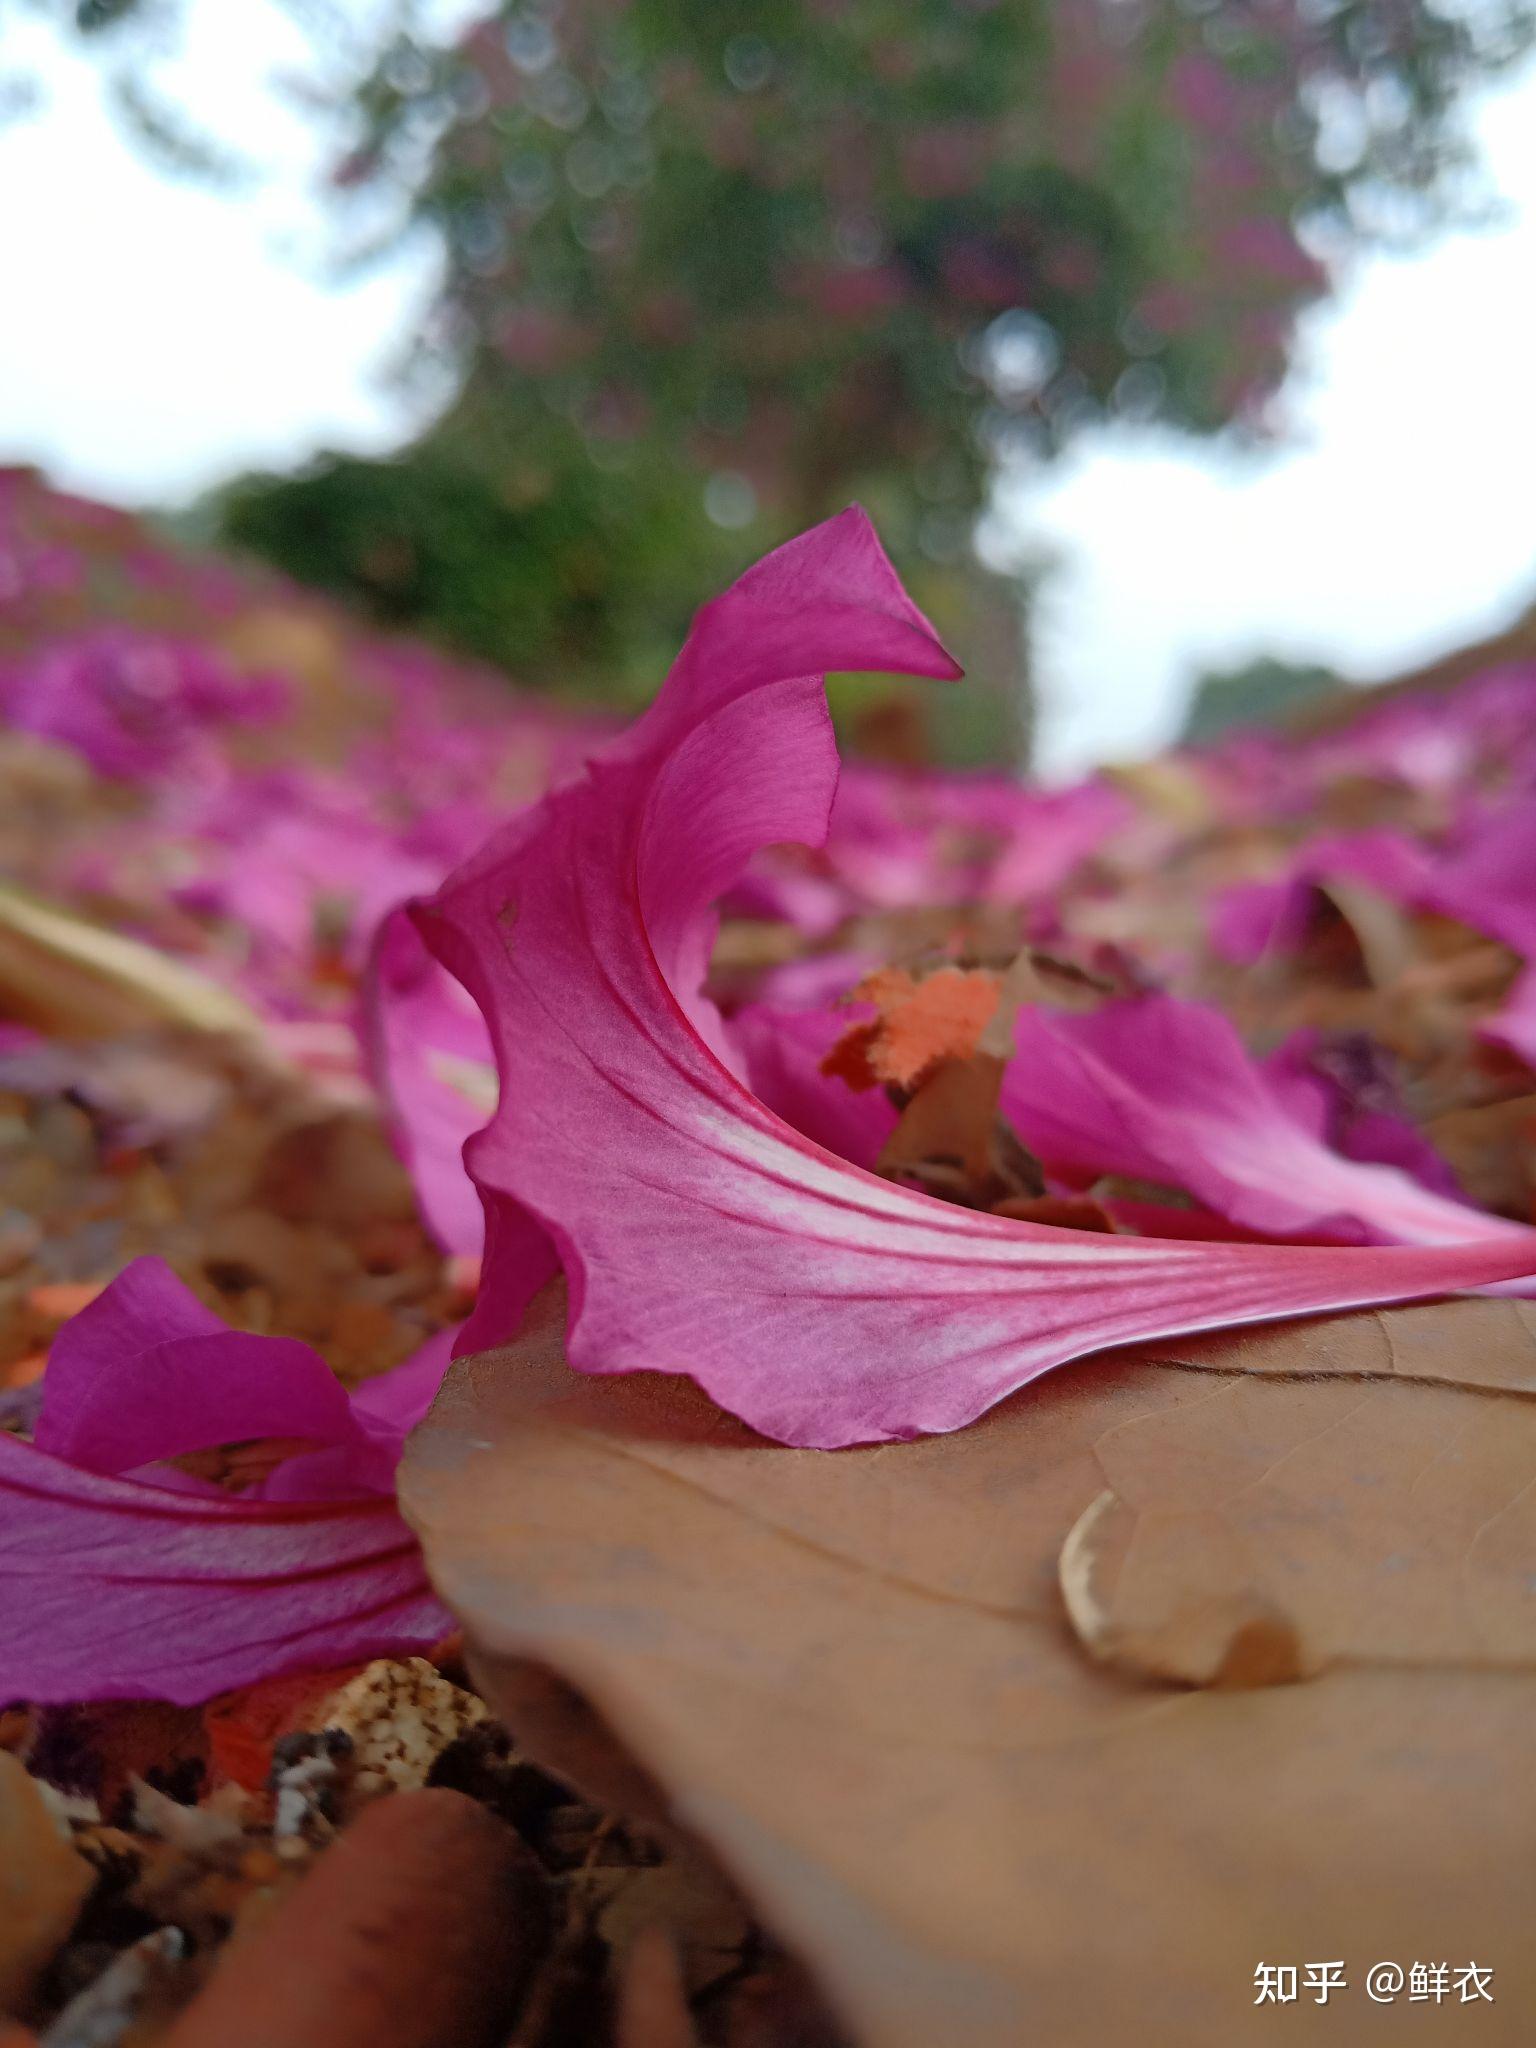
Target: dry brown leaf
1280, 1527
652, 2003
73, 979
43, 1884
1381, 929
685, 1896
947, 1136
1488, 1343
1066, 1212
852, 1673
1492, 1147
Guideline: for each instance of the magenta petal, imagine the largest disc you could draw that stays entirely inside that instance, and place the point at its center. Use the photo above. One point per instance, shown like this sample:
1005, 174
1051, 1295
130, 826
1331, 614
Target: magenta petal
430, 1059
1341, 1095
1067, 826
146, 1372
115, 1588
1485, 884
1254, 918
1490, 883
699, 1232
110, 1589
1165, 1091
781, 1053
812, 904
386, 1408
395, 1401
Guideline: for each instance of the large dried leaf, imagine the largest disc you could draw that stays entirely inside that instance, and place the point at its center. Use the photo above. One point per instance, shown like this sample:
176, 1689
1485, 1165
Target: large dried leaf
853, 1673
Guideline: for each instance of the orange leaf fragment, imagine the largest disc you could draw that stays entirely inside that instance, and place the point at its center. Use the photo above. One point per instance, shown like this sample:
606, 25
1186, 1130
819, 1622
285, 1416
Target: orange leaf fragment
920, 1025
56, 1301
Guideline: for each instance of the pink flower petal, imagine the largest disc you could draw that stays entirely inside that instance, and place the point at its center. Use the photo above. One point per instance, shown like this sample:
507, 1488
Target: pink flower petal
395, 1401
1484, 883
146, 1372
815, 980
1338, 1090
116, 1587
110, 1589
1063, 830
430, 1058
782, 1051
1254, 918
1165, 1091
387, 1408
813, 904
1490, 882
699, 1232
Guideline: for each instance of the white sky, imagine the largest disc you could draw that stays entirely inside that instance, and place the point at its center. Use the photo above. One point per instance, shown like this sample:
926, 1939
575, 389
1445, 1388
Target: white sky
1397, 519
155, 338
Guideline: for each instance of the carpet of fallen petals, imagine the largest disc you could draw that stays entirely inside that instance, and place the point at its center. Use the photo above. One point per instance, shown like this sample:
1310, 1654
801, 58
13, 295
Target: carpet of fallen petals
214, 789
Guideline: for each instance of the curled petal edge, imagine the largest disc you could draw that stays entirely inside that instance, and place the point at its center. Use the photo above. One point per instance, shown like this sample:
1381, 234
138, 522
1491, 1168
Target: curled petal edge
698, 1232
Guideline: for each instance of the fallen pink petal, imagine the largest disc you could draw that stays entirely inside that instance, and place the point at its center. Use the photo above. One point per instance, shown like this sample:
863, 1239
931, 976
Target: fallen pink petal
430, 1056
116, 1589
1164, 1091
144, 1586
698, 1232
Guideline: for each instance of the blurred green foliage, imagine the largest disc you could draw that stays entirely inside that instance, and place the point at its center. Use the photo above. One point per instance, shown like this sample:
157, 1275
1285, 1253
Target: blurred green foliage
563, 579
1264, 692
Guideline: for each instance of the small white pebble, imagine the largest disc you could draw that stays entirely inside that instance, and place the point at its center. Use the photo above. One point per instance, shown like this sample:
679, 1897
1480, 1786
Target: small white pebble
401, 1714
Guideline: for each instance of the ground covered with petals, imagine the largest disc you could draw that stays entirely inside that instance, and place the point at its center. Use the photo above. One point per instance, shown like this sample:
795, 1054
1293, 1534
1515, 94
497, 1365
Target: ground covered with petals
858, 1096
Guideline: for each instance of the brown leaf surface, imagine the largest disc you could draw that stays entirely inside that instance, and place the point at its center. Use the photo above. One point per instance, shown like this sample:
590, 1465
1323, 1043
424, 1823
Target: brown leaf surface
1487, 1344
1280, 1527
43, 1884
853, 1673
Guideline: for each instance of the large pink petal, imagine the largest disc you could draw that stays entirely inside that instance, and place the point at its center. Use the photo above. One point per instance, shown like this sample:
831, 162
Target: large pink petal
1490, 882
1165, 1091
1060, 831
387, 1408
701, 1234
1342, 1090
1254, 918
110, 1589
1484, 883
